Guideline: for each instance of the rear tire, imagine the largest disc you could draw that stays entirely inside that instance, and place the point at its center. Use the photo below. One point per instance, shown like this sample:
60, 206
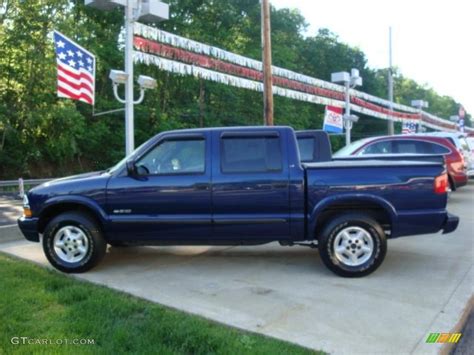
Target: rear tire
353, 245
73, 242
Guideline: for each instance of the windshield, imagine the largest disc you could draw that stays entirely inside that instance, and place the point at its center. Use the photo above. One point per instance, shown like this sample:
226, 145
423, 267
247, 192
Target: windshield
121, 163
351, 148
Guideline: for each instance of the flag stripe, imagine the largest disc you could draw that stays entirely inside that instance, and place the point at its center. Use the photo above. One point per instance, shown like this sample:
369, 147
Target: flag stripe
76, 74
65, 93
67, 89
74, 83
74, 80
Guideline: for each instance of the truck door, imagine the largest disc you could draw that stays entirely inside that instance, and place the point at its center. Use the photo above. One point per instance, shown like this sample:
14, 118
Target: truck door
250, 185
171, 197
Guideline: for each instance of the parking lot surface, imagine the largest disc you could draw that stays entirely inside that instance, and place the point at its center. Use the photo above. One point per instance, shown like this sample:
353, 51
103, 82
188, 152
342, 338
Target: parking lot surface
423, 286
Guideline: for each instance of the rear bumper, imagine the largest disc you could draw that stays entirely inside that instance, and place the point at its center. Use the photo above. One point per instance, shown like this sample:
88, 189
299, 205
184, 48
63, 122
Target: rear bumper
460, 179
450, 224
29, 228
424, 222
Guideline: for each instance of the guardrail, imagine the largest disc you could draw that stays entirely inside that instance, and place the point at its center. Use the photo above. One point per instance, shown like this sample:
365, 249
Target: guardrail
20, 183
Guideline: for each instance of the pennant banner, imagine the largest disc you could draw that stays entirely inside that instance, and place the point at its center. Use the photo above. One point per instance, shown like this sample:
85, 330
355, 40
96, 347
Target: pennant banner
187, 57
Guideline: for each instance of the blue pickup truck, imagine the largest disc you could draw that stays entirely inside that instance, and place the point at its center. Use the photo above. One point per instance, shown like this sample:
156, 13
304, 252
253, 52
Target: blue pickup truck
238, 186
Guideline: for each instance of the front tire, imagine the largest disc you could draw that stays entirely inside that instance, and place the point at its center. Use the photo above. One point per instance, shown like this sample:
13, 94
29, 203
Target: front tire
73, 242
353, 245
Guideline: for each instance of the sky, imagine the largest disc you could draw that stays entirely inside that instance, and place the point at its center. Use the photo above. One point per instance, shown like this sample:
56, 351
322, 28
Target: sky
432, 40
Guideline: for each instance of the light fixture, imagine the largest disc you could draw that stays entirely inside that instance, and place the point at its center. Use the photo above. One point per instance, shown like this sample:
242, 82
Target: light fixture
419, 104
118, 76
105, 4
146, 82
153, 11
340, 77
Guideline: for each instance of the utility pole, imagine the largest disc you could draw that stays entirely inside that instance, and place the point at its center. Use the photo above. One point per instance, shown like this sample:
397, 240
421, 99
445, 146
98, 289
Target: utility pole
391, 129
267, 65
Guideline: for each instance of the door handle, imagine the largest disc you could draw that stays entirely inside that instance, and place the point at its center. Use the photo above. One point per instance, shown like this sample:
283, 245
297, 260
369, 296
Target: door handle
201, 186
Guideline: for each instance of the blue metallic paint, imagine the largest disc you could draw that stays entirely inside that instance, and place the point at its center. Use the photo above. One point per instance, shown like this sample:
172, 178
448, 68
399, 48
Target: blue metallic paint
217, 208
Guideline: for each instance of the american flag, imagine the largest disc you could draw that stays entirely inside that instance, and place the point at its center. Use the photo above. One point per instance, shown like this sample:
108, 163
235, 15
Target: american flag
76, 70
409, 127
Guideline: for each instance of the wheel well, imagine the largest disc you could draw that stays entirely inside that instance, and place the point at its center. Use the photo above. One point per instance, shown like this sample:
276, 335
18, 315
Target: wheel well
56, 210
372, 209
452, 185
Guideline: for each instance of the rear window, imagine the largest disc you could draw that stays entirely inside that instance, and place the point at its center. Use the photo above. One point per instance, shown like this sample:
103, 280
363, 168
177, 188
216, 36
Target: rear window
419, 147
306, 147
439, 149
250, 154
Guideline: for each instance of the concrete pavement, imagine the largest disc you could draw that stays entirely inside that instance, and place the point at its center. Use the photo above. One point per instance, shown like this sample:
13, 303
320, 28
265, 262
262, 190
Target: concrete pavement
423, 286
10, 210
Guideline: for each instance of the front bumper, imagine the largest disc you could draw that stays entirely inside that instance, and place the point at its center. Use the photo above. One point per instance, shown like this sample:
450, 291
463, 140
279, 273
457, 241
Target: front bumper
29, 228
450, 224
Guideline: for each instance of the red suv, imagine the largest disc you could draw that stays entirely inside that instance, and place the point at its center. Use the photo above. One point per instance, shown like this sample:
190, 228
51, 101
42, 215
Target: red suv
411, 144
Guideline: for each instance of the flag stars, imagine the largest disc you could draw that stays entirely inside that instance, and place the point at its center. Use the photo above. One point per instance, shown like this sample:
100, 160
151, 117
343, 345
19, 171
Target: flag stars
60, 44
81, 63
70, 53
89, 68
72, 63
89, 60
62, 56
79, 54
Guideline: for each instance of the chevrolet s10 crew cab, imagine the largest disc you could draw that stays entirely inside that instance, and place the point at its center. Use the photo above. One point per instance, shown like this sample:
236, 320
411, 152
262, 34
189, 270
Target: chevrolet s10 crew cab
238, 186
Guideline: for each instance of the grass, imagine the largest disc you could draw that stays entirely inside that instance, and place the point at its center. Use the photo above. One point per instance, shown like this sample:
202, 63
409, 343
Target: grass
43, 304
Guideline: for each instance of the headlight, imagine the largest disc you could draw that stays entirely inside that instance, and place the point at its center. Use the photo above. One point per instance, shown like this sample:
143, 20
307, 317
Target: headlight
26, 203
26, 207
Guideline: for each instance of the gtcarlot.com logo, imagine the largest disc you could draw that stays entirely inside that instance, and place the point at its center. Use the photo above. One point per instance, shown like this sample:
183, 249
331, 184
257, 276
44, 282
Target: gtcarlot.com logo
443, 337
43, 341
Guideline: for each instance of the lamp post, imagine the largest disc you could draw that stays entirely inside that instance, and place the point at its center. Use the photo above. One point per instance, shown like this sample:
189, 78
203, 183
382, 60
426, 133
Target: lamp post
350, 81
120, 77
146, 11
420, 105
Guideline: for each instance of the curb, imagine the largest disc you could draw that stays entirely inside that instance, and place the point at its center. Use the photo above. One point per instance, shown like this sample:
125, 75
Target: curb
448, 348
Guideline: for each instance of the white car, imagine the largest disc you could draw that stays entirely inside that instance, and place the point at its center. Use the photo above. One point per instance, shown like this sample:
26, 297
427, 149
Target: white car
460, 141
470, 142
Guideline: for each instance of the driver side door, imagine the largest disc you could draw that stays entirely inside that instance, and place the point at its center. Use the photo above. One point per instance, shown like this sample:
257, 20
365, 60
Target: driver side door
169, 196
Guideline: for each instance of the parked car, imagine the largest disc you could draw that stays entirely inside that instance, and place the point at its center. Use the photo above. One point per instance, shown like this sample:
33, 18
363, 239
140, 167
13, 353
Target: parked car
460, 142
402, 145
470, 142
238, 186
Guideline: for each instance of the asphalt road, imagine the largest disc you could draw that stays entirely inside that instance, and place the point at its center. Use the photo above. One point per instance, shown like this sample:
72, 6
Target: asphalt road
422, 287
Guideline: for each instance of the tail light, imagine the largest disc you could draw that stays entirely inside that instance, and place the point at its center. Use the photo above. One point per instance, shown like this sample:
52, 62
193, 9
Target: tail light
441, 184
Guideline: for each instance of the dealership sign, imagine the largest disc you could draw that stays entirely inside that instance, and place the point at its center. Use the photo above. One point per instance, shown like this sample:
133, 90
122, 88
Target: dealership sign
333, 119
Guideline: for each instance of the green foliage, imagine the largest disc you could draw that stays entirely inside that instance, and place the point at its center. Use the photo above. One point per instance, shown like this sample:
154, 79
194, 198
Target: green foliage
42, 136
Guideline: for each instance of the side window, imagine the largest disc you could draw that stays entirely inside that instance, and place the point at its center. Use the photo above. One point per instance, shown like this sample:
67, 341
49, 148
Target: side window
306, 147
378, 148
174, 157
412, 147
439, 149
250, 154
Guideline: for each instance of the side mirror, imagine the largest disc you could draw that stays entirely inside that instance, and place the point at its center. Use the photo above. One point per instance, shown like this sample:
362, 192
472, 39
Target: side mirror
131, 168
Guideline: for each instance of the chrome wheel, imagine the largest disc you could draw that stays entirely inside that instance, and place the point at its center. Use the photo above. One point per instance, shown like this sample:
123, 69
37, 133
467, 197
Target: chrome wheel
71, 244
353, 246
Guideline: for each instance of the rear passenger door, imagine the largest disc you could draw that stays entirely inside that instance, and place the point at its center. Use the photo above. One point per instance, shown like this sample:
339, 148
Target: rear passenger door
250, 190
